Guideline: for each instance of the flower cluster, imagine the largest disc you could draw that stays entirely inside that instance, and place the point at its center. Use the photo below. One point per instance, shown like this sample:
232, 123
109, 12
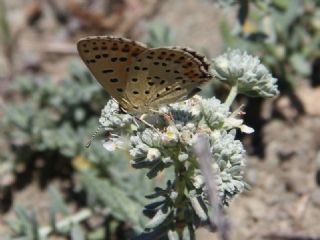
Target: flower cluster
164, 140
239, 69
169, 144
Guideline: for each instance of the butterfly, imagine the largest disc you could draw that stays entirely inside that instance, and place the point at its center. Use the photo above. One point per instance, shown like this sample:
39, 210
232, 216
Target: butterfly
141, 78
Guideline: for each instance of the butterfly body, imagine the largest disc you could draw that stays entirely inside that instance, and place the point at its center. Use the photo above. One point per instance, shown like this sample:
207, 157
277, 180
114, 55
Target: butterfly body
141, 78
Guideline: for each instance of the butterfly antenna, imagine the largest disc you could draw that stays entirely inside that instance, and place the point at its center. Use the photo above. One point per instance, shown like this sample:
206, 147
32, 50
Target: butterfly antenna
93, 136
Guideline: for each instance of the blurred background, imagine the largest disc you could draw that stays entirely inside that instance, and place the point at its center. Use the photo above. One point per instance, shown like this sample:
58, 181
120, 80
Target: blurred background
50, 105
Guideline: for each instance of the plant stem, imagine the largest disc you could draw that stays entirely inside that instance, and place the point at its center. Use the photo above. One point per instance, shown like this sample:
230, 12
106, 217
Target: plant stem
180, 203
232, 95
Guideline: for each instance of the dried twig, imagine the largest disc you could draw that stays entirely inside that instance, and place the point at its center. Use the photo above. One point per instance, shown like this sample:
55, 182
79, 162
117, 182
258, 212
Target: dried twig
217, 219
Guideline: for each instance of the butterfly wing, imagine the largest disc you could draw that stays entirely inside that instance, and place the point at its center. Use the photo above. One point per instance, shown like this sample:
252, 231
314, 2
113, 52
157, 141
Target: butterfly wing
165, 75
109, 59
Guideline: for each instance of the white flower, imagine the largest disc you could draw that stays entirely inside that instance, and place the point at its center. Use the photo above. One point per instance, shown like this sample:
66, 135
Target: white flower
114, 143
246, 72
232, 122
171, 135
153, 154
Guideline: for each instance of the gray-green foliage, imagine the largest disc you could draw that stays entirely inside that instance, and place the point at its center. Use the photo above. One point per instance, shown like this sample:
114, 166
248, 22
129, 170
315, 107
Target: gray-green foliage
117, 201
27, 226
285, 32
53, 121
48, 115
49, 118
118, 198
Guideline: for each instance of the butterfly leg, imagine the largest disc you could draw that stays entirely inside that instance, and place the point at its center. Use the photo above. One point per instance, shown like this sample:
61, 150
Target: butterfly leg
135, 121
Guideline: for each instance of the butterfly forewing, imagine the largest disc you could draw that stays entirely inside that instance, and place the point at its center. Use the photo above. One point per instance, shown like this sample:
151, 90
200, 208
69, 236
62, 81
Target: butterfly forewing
164, 75
110, 59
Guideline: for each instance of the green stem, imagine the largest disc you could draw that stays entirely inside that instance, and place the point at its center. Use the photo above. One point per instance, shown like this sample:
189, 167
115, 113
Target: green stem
180, 202
232, 95
180, 184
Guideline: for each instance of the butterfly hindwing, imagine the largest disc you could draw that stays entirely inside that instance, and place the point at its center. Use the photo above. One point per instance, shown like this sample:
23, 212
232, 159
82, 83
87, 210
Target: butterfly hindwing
164, 75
